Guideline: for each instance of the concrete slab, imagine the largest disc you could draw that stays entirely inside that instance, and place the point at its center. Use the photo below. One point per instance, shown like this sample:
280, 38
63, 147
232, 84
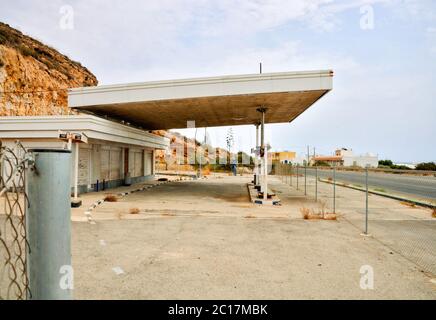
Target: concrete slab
205, 240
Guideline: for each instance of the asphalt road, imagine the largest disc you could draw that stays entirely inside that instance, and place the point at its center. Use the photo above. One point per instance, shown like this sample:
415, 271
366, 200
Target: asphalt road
416, 186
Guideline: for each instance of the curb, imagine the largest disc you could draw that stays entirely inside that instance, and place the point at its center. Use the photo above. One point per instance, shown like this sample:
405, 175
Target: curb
386, 195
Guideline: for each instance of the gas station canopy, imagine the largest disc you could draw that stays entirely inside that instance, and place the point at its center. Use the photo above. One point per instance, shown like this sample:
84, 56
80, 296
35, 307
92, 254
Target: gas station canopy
210, 102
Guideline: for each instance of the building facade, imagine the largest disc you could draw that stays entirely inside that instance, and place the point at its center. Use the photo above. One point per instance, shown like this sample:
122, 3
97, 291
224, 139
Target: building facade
112, 153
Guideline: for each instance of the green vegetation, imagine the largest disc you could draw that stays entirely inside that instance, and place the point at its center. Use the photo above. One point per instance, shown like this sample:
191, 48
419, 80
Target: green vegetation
390, 165
427, 166
387, 163
380, 190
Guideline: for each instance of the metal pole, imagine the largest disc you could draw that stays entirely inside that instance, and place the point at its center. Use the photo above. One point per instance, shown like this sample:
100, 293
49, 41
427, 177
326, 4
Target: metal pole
334, 187
48, 225
265, 181
366, 207
76, 170
305, 179
316, 183
287, 173
257, 171
297, 176
264, 158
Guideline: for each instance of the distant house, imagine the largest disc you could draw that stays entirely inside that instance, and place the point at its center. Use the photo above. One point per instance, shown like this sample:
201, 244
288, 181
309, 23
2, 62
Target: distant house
345, 157
283, 156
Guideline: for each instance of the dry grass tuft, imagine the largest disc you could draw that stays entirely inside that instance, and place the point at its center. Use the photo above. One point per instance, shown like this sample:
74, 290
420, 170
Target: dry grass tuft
408, 204
320, 215
330, 216
250, 216
433, 214
134, 210
111, 198
168, 215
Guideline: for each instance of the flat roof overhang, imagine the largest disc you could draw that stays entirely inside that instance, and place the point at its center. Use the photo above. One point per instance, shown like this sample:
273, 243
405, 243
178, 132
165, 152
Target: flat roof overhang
210, 102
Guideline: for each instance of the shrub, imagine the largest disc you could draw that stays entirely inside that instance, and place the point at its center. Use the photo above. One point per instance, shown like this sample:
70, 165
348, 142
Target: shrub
28, 52
427, 166
1, 63
387, 163
111, 198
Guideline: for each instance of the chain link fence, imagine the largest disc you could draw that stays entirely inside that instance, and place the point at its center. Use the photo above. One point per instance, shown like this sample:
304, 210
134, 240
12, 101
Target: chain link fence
396, 207
14, 284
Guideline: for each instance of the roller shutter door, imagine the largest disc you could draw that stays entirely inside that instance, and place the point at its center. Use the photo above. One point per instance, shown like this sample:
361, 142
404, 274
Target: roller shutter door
84, 166
138, 168
115, 163
148, 163
104, 164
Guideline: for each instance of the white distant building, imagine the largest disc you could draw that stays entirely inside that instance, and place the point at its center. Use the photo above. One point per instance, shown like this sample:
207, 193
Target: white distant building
346, 157
351, 160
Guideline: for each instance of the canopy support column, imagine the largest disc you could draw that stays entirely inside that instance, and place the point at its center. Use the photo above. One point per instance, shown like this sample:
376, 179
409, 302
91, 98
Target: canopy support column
263, 154
256, 158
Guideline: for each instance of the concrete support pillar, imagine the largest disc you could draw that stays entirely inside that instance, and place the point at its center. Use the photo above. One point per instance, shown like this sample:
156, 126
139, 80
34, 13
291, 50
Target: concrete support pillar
256, 159
265, 157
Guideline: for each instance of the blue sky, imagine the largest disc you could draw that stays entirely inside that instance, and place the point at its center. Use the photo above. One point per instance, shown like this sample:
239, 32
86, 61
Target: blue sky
384, 94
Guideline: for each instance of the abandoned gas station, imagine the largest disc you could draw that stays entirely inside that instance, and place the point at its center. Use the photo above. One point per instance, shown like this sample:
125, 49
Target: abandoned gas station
210, 102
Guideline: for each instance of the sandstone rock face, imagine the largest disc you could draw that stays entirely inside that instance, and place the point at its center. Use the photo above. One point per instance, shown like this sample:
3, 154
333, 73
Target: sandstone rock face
34, 78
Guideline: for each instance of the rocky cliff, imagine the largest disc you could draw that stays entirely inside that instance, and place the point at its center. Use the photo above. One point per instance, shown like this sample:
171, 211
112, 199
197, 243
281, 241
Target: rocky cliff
34, 77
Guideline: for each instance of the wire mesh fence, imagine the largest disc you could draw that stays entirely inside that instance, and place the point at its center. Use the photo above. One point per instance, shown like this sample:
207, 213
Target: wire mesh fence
14, 284
397, 207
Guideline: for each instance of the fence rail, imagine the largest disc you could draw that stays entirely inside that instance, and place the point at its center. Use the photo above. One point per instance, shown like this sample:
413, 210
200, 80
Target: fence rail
14, 282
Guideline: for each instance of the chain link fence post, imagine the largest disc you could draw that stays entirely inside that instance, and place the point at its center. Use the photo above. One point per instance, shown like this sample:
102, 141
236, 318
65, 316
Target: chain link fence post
297, 176
316, 183
366, 200
305, 179
334, 188
49, 225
